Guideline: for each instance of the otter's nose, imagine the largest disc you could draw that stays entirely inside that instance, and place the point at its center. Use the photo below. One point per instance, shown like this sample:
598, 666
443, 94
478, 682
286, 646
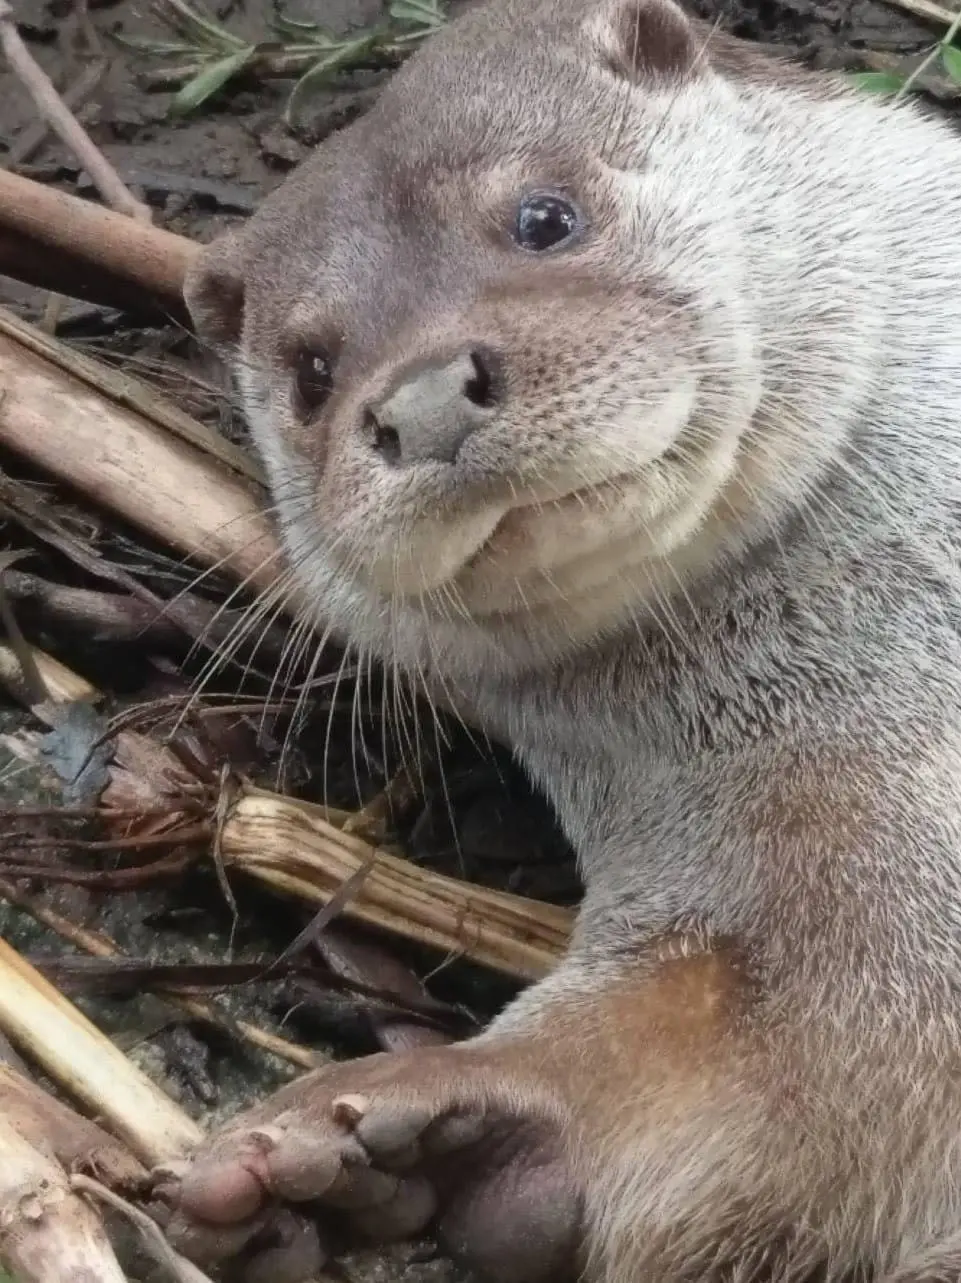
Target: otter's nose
435, 407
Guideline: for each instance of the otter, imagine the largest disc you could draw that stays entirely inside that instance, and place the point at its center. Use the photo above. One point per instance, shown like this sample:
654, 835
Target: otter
608, 377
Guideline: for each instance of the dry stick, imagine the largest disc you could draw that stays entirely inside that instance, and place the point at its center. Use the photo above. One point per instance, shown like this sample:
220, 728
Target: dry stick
292, 847
51, 239
63, 122
926, 9
74, 96
77, 1143
100, 945
48, 1234
128, 393
61, 684
41, 1022
126, 462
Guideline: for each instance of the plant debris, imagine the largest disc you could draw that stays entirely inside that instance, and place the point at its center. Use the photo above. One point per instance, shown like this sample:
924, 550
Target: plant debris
213, 57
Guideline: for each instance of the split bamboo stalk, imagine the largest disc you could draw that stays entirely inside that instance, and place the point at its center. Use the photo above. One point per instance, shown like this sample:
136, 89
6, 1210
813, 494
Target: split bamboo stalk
128, 463
48, 1028
48, 1234
292, 847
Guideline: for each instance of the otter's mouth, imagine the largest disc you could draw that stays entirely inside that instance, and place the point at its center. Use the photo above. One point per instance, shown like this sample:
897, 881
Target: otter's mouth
494, 552
513, 530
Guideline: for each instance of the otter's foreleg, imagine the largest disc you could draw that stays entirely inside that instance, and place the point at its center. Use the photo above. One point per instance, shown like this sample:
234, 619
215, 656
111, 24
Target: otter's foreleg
607, 1128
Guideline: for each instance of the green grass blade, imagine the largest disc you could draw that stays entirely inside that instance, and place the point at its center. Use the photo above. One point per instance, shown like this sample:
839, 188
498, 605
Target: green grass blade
321, 73
879, 82
209, 81
951, 58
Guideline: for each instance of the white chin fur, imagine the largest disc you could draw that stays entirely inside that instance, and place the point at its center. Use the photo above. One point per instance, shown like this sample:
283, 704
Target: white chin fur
433, 553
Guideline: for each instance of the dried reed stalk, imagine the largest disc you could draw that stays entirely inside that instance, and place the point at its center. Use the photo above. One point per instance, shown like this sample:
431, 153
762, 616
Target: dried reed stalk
293, 847
53, 240
130, 463
101, 946
41, 1022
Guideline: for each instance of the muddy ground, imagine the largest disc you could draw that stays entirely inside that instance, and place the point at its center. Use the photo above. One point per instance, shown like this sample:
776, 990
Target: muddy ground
200, 174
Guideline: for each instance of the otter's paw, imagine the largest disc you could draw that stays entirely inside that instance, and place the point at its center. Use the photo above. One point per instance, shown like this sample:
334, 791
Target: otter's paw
384, 1149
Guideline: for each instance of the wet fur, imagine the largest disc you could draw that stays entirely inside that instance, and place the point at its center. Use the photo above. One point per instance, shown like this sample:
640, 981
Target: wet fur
747, 709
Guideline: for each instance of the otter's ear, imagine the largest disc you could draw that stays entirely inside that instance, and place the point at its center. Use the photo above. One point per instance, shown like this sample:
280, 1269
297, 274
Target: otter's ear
639, 39
214, 291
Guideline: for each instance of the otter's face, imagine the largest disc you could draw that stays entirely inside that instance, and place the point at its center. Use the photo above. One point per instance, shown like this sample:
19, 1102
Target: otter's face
494, 410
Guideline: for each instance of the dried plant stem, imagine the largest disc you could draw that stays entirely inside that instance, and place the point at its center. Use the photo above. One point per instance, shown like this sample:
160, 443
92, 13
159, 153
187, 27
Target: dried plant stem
48, 1234
127, 462
44, 1025
926, 9
77, 1143
292, 847
101, 946
54, 240
61, 684
128, 393
30, 140
63, 122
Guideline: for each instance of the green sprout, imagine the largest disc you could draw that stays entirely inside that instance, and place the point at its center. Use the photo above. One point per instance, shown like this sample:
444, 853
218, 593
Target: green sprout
306, 51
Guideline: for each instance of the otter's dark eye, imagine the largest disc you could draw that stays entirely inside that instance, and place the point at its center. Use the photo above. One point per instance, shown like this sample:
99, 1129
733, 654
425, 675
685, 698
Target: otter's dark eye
314, 377
544, 222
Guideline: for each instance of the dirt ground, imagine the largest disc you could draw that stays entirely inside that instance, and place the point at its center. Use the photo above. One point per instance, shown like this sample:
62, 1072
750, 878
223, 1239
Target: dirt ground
200, 174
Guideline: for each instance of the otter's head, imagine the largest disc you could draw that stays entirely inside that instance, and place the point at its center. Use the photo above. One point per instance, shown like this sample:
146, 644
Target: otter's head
492, 338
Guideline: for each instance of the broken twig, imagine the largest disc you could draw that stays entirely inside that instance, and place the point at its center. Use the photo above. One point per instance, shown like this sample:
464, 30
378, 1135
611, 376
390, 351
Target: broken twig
74, 96
130, 464
79, 1144
291, 846
53, 240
